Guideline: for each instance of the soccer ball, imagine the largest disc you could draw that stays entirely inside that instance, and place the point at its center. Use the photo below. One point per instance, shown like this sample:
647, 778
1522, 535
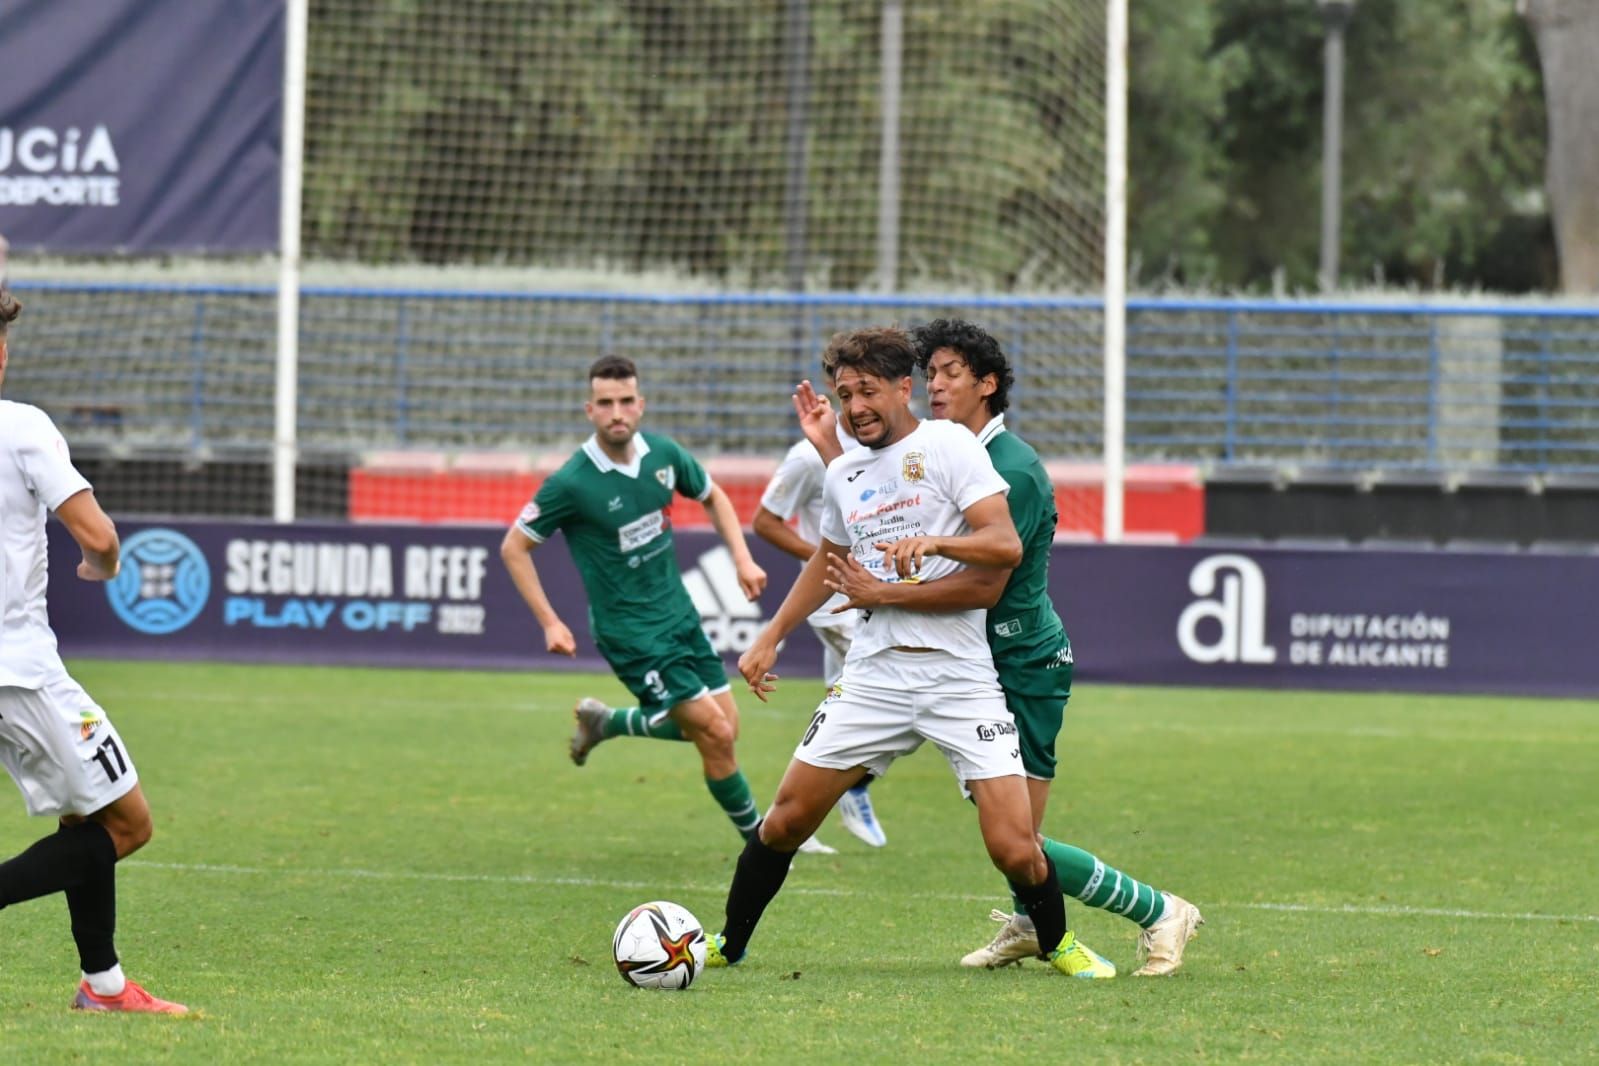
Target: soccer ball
659, 945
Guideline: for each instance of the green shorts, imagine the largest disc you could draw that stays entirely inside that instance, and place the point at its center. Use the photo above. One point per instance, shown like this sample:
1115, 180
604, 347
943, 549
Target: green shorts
667, 667
1037, 679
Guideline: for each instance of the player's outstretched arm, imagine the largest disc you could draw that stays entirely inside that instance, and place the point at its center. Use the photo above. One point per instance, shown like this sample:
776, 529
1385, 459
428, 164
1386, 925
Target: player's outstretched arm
751, 578
810, 591
95, 533
992, 542
516, 552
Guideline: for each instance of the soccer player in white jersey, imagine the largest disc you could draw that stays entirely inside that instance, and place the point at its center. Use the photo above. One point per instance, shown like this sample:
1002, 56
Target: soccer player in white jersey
795, 492
917, 502
56, 742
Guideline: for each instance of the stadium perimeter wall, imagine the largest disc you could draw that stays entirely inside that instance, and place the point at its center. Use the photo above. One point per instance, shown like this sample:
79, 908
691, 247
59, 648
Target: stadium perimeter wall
391, 595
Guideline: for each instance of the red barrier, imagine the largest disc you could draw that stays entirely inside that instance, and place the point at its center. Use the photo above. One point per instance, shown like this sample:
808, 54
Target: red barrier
1163, 502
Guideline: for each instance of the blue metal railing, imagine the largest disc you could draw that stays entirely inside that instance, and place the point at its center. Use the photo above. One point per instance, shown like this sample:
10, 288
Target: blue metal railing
1355, 384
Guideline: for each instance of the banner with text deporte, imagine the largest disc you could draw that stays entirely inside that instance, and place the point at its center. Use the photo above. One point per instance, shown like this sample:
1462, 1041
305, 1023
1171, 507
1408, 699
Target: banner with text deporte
141, 125
439, 596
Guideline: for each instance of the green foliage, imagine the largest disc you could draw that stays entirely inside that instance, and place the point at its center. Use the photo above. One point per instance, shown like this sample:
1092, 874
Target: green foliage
1442, 144
640, 135
403, 867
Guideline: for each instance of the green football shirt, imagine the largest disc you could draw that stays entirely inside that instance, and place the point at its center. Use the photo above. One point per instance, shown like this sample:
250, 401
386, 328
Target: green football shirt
1031, 651
1032, 508
616, 524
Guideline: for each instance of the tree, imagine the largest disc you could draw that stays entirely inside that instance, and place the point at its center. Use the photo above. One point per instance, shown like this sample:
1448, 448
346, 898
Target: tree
1567, 32
1442, 143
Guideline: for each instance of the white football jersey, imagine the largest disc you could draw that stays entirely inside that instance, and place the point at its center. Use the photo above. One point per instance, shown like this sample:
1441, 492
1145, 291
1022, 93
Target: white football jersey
795, 491
919, 486
36, 477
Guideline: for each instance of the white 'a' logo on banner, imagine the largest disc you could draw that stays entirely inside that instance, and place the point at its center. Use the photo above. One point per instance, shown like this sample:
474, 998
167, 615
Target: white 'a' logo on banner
1233, 591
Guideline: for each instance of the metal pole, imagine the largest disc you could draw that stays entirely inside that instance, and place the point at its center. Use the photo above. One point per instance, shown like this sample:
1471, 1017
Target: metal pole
285, 446
798, 53
1115, 266
1335, 14
888, 163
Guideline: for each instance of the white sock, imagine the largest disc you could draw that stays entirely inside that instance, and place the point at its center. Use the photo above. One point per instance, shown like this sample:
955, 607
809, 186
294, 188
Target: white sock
1025, 921
108, 982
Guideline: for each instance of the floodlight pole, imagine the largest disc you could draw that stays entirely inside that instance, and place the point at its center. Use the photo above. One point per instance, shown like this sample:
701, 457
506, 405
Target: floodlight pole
1115, 313
888, 155
285, 444
796, 192
1335, 17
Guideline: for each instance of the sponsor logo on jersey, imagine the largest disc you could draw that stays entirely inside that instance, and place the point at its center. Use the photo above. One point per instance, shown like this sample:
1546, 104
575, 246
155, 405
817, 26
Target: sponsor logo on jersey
1010, 627
639, 532
914, 466
868, 494
857, 474
164, 583
615, 504
995, 730
530, 514
730, 621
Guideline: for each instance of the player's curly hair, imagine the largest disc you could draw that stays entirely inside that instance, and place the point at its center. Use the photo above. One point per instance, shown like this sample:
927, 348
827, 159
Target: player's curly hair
974, 344
10, 308
882, 351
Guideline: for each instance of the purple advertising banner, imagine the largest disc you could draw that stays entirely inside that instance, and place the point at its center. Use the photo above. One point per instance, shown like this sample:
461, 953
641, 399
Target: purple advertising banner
141, 125
1426, 621
439, 596
401, 595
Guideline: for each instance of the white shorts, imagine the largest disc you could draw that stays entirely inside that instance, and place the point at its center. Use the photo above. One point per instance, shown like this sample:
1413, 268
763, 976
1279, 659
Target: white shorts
886, 705
62, 750
835, 631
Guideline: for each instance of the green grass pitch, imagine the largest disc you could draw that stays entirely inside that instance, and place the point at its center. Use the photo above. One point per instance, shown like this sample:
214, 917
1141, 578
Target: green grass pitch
403, 867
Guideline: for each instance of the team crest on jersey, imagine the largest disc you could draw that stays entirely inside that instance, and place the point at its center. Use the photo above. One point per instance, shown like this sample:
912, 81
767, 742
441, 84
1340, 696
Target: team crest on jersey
914, 466
667, 476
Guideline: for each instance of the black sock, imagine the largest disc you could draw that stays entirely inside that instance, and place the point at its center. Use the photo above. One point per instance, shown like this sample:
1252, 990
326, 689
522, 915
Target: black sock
761, 872
1046, 907
93, 906
75, 855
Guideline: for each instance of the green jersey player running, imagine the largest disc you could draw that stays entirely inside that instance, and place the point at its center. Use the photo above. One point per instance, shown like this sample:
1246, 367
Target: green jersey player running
611, 500
968, 381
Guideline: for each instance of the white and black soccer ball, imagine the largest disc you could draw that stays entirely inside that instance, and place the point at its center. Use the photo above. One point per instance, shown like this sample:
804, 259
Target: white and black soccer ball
659, 945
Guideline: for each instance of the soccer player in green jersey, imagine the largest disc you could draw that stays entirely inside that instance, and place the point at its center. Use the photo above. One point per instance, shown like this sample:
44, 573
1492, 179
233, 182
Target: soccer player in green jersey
611, 500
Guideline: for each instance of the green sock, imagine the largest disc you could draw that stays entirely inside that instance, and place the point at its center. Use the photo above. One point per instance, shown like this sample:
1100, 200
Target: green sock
633, 722
733, 793
1084, 877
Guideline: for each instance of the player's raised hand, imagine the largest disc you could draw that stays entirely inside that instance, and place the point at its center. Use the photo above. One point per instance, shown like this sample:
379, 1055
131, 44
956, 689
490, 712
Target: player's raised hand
752, 579
817, 420
756, 667
858, 585
558, 640
905, 556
